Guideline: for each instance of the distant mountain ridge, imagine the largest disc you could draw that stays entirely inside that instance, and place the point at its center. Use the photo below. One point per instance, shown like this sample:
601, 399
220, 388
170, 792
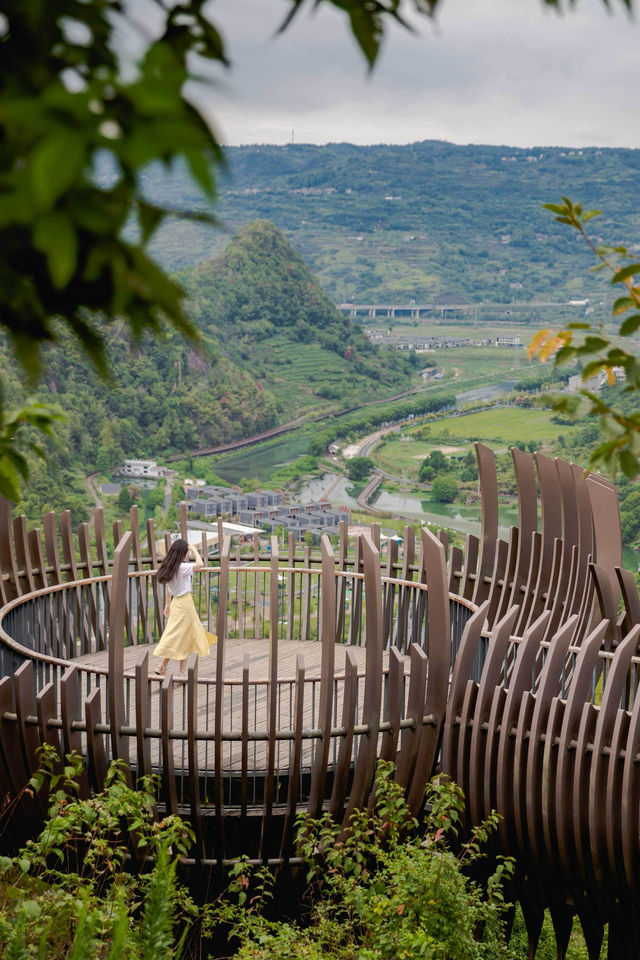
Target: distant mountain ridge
422, 220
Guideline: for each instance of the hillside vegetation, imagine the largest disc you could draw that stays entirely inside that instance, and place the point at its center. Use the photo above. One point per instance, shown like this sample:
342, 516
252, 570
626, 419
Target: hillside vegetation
268, 312
273, 347
424, 221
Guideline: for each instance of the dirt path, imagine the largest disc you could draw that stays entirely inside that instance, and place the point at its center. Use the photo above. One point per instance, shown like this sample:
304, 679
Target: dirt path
90, 481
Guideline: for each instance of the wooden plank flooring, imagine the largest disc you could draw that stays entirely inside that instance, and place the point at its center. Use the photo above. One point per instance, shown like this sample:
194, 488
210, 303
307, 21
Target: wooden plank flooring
236, 650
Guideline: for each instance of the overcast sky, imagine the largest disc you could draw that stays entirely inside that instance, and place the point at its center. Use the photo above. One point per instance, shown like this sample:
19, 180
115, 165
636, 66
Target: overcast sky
488, 71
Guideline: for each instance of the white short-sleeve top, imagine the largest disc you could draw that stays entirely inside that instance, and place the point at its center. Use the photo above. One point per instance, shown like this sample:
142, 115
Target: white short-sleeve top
181, 583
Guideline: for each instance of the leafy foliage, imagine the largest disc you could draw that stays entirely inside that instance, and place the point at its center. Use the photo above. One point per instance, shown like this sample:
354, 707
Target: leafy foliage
383, 889
14, 465
621, 427
445, 489
359, 468
68, 894
69, 100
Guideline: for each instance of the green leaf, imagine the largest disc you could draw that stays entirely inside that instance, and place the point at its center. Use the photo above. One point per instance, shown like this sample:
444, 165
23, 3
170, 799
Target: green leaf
592, 345
31, 909
54, 235
628, 464
622, 304
150, 216
55, 165
629, 271
630, 325
565, 355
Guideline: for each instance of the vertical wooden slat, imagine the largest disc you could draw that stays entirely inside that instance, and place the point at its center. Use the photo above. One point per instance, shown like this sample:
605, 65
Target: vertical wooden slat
356, 594
102, 554
272, 696
244, 731
349, 707
168, 766
37, 559
468, 581
395, 704
9, 580
143, 744
70, 711
291, 585
520, 682
46, 711
499, 597
23, 557
117, 613
192, 750
221, 627
306, 594
94, 635
96, 756
25, 707
14, 773
368, 746
439, 634
558, 765
136, 550
51, 547
328, 640
415, 711
527, 520
456, 562
528, 772
390, 592
68, 552
117, 532
489, 505
597, 820
342, 581
294, 765
460, 675
158, 602
400, 633
527, 591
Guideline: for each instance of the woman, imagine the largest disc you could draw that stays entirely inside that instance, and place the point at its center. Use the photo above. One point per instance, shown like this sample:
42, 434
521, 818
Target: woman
183, 634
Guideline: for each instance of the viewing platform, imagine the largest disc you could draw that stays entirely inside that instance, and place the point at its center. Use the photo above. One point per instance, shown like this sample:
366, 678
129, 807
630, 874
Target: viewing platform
513, 666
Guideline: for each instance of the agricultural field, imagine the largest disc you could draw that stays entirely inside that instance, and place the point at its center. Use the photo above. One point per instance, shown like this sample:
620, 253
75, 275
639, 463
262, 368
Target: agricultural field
502, 426
498, 427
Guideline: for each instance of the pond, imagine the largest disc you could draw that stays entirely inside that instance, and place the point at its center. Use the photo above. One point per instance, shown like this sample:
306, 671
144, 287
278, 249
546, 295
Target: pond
260, 462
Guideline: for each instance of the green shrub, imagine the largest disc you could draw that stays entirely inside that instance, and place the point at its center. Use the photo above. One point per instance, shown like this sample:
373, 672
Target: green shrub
444, 489
383, 889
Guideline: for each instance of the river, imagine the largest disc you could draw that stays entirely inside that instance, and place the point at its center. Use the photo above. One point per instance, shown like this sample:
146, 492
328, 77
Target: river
454, 516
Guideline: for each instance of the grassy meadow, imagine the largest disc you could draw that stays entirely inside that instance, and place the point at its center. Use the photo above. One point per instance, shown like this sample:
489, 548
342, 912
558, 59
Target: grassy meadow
498, 427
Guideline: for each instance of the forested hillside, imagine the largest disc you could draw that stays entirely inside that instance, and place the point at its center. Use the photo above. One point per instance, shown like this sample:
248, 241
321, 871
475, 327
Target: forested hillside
422, 221
267, 311
273, 346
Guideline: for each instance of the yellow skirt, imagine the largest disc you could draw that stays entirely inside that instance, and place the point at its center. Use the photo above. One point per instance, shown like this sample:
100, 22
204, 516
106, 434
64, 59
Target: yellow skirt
183, 634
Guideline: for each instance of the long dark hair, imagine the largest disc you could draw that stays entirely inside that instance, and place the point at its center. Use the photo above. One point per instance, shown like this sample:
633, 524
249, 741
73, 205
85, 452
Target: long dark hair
171, 563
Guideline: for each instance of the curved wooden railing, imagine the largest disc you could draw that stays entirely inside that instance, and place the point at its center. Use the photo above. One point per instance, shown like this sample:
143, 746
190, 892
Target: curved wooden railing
230, 740
506, 665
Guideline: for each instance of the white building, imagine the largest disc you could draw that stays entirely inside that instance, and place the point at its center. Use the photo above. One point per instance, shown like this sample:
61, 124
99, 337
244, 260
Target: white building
142, 469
